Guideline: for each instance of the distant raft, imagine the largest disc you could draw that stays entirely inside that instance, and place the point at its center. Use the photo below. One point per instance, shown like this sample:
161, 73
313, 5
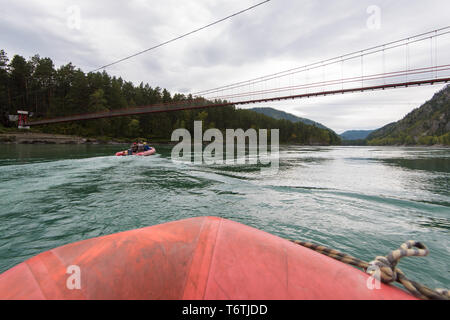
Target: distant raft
199, 258
147, 153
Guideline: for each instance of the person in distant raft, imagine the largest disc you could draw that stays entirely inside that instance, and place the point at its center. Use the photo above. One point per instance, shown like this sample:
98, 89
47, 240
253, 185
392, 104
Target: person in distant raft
134, 148
140, 147
137, 147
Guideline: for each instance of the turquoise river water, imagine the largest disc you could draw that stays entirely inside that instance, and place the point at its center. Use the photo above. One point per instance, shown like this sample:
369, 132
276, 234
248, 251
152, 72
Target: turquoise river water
364, 201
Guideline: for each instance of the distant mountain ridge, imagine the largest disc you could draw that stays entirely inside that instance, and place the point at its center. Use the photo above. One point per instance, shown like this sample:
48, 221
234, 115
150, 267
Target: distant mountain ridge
356, 134
427, 125
281, 115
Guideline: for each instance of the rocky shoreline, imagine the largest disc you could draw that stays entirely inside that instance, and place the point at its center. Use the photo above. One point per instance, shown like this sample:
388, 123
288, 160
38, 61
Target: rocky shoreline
45, 138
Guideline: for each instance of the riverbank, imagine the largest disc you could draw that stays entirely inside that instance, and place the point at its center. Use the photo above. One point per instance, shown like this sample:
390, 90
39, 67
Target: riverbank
45, 138
30, 137
14, 136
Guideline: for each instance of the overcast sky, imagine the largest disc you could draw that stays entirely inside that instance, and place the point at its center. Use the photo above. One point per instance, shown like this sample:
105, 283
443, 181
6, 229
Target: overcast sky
279, 35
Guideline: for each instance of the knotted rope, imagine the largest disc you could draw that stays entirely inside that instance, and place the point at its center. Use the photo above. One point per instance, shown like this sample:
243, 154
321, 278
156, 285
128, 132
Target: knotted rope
385, 268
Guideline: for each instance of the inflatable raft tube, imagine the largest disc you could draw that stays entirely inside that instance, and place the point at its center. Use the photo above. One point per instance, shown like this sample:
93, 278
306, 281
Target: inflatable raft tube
140, 154
199, 258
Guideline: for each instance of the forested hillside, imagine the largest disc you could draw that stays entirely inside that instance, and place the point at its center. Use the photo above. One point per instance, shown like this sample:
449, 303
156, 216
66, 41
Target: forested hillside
355, 134
427, 125
277, 114
35, 85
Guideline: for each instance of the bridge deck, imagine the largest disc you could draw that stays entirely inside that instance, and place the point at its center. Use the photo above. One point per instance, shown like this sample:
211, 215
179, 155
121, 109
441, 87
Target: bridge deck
201, 103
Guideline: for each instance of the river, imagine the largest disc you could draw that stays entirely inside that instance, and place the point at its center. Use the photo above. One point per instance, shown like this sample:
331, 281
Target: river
364, 201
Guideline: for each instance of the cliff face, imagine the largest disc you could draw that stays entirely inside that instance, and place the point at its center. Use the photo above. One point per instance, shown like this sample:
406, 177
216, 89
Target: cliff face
428, 124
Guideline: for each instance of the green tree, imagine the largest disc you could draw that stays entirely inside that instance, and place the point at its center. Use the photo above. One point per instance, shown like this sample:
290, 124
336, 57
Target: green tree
97, 103
20, 75
44, 77
133, 129
4, 87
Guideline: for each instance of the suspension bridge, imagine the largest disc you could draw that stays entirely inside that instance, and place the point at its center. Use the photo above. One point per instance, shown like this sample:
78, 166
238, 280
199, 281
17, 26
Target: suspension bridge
418, 60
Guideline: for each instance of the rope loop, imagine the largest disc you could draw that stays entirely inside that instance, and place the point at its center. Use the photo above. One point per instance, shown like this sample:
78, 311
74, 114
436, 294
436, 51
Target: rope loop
386, 267
382, 269
410, 248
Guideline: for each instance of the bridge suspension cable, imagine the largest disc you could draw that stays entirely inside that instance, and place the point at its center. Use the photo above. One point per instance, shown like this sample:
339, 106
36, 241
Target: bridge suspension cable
384, 49
343, 81
180, 37
154, 47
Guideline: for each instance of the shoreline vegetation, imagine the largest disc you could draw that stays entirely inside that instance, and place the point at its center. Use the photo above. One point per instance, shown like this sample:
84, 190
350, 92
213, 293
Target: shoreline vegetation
36, 136
49, 138
21, 137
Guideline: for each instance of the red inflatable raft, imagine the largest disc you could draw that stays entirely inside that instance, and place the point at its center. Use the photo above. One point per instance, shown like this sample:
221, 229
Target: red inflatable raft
141, 154
198, 258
